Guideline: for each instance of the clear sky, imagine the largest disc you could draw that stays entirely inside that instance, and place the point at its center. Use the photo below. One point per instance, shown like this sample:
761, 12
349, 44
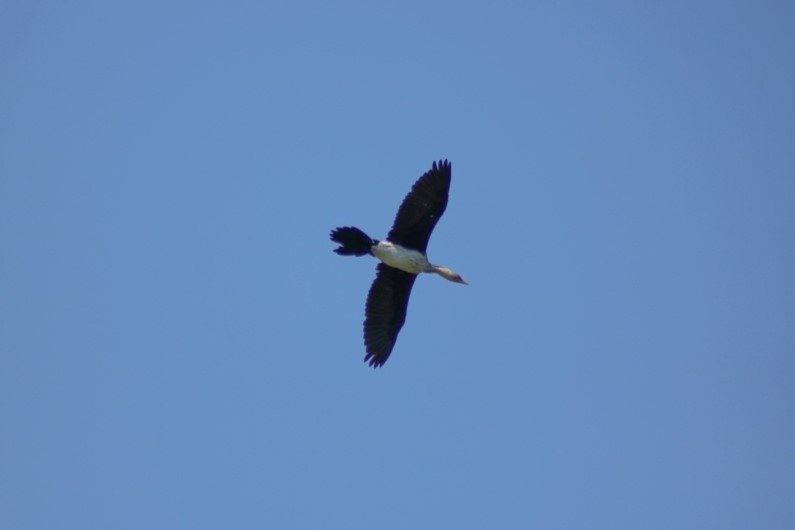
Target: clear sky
180, 348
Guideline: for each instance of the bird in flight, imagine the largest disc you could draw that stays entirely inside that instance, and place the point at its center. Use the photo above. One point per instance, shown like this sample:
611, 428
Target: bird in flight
403, 256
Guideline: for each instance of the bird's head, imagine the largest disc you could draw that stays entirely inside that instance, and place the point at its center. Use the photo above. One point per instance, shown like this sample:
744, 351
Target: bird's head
450, 274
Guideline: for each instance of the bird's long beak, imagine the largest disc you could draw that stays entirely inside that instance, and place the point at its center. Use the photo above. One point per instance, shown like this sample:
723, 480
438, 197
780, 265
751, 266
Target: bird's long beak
464, 281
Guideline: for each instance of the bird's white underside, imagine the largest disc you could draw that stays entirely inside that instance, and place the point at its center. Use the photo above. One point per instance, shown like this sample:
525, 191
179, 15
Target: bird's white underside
405, 259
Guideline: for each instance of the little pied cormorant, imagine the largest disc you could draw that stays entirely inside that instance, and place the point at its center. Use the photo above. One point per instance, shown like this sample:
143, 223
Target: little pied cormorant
403, 257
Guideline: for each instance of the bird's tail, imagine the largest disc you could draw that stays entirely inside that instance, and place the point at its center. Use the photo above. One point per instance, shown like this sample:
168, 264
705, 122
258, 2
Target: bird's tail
353, 242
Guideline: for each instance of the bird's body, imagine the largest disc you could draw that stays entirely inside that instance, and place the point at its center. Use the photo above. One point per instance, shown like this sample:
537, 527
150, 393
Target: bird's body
403, 256
405, 259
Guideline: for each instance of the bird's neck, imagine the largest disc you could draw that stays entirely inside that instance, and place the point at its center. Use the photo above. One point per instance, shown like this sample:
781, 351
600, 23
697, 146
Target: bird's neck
444, 272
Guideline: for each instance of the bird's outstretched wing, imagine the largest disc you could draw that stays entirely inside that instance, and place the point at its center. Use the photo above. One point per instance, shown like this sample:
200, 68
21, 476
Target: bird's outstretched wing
422, 208
385, 312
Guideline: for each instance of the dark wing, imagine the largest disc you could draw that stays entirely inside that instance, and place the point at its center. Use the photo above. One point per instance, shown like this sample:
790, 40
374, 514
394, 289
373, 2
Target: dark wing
422, 208
385, 312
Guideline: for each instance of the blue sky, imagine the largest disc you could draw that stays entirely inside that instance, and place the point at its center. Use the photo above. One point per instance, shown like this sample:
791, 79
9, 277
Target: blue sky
181, 348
